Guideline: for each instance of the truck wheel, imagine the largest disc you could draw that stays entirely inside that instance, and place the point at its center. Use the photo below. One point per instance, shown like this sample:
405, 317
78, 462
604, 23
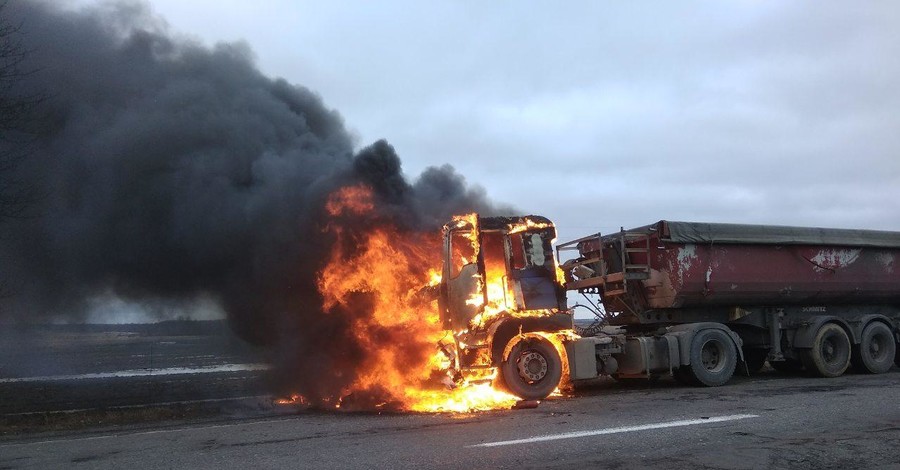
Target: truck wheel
830, 353
713, 358
876, 349
532, 370
754, 360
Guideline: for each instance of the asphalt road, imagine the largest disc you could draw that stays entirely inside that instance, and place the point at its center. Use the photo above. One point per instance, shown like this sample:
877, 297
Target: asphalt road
769, 421
62, 368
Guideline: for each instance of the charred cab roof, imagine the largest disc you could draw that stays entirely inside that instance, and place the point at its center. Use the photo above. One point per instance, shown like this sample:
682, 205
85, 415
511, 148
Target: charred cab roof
504, 223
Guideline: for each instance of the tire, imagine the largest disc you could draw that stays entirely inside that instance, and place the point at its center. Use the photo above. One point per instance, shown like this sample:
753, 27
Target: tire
754, 359
532, 370
713, 358
830, 353
876, 350
787, 366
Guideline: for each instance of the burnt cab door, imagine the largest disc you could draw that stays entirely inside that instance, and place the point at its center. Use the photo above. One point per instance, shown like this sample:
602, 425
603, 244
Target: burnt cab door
532, 270
462, 293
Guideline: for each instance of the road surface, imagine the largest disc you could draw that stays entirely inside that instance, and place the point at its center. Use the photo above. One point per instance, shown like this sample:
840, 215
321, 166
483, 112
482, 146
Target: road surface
768, 421
54, 368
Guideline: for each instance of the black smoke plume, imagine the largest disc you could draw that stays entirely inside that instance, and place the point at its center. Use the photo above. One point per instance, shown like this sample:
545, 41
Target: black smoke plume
171, 171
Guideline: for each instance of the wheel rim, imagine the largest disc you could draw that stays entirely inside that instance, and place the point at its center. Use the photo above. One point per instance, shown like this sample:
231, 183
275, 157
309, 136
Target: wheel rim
829, 351
532, 365
712, 355
878, 347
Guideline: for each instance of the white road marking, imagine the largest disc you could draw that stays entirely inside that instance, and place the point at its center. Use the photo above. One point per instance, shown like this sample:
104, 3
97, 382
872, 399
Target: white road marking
598, 432
142, 373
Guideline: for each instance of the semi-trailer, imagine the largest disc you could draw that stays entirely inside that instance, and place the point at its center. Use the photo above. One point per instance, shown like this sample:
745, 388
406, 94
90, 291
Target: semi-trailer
695, 301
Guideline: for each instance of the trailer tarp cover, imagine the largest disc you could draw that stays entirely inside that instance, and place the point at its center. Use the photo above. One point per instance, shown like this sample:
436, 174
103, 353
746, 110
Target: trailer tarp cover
699, 232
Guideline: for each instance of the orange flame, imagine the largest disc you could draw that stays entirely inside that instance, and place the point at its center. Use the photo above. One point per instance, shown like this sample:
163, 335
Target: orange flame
409, 369
350, 200
391, 269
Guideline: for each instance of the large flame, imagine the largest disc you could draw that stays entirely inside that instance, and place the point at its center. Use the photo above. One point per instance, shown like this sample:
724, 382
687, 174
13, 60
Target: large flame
408, 371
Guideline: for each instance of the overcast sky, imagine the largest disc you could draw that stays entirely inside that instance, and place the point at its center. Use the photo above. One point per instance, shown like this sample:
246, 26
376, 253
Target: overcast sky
601, 114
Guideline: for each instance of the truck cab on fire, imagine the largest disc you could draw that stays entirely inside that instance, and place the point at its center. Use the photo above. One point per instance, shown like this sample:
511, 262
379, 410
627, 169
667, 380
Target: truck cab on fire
502, 298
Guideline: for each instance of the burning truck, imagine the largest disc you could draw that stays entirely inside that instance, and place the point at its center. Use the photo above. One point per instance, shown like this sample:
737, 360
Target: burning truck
695, 301
501, 295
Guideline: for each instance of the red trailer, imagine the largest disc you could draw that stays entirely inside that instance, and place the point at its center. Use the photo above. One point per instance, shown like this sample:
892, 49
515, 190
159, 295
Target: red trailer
696, 299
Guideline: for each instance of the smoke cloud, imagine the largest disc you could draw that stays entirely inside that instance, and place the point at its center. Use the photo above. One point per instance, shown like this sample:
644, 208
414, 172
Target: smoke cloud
175, 172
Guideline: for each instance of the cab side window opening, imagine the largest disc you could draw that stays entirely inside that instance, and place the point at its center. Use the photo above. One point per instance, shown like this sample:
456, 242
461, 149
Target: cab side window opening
518, 252
462, 252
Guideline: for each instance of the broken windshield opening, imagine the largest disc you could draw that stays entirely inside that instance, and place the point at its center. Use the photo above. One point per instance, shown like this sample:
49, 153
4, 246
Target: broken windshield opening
531, 250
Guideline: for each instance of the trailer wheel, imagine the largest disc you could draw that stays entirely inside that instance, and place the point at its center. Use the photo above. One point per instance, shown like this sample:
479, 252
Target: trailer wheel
876, 349
830, 353
713, 358
532, 370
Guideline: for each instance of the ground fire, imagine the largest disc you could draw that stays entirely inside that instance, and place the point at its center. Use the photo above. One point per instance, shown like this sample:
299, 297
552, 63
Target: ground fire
443, 334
